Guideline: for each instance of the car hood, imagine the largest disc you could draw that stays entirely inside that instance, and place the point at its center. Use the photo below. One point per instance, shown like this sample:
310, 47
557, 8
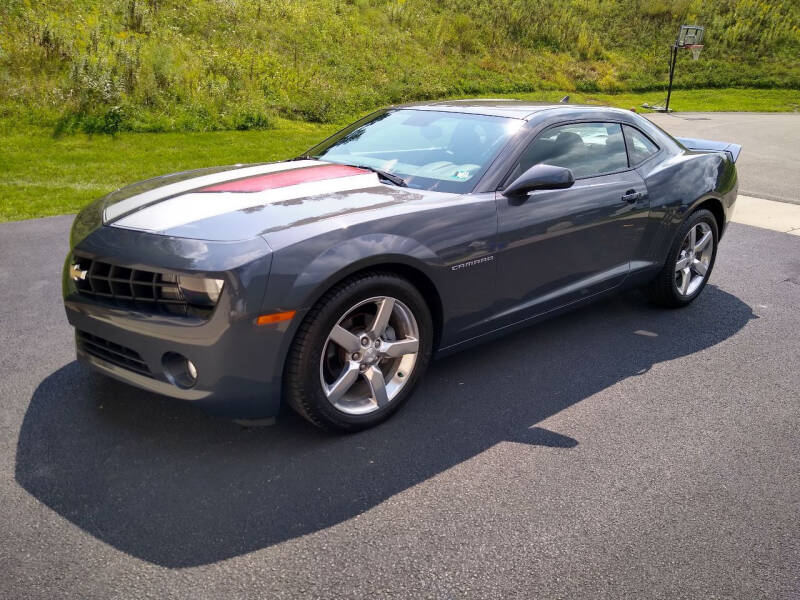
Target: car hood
241, 201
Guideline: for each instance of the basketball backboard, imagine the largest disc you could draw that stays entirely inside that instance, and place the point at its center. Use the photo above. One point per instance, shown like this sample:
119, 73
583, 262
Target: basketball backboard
689, 35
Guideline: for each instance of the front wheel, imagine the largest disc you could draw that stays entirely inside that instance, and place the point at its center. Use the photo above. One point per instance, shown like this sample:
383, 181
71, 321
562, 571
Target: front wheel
689, 263
359, 352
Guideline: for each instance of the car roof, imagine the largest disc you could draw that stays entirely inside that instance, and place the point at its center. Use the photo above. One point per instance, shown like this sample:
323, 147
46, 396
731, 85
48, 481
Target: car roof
499, 107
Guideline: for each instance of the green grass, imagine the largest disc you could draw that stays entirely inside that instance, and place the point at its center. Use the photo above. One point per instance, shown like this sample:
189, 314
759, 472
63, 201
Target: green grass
201, 65
249, 77
704, 100
43, 175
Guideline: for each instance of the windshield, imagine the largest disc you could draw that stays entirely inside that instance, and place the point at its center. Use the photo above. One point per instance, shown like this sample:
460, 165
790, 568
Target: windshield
432, 150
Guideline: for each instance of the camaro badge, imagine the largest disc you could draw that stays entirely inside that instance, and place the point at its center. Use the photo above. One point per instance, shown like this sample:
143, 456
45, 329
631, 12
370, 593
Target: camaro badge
471, 263
76, 273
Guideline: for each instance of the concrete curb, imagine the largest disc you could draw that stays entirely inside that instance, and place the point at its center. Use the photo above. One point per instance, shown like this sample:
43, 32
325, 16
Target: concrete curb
768, 214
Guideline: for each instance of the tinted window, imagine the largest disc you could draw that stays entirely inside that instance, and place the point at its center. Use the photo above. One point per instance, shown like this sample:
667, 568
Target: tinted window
588, 149
444, 151
639, 145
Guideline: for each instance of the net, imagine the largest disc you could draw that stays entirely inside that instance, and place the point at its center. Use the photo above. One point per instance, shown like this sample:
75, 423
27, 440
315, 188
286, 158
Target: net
696, 50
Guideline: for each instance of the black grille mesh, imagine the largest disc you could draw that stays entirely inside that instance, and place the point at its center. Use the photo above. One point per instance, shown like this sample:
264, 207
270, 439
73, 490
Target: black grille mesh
111, 352
123, 285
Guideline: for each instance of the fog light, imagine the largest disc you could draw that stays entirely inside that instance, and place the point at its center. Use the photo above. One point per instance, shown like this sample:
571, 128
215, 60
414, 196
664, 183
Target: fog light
180, 371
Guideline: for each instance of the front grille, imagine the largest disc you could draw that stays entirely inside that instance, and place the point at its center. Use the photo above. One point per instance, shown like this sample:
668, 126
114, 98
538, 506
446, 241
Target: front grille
126, 286
111, 352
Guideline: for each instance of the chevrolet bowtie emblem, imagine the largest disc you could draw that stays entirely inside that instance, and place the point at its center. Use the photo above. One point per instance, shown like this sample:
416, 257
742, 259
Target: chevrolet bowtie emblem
77, 273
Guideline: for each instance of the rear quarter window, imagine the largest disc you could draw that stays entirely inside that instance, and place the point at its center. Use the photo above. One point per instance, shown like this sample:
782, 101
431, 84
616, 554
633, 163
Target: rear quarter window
640, 147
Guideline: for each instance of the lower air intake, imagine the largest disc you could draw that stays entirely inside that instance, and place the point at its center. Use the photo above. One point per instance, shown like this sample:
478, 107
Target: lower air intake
111, 352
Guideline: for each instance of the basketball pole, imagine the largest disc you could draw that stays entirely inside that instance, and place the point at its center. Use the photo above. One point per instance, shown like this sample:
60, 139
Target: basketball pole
689, 36
671, 73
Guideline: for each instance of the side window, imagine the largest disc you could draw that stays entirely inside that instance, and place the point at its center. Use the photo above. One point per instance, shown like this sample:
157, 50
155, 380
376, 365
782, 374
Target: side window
587, 149
639, 145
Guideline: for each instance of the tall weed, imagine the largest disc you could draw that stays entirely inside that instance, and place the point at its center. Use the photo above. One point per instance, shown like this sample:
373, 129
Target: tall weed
157, 65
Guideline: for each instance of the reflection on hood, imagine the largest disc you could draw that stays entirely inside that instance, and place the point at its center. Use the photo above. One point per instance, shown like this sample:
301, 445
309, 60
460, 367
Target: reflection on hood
241, 202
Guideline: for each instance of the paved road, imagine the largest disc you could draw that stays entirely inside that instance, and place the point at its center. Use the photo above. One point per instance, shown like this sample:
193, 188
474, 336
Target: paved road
618, 451
769, 166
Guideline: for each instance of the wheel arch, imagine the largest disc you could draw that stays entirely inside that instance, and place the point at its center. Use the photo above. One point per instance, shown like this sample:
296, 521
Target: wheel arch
396, 265
400, 266
713, 205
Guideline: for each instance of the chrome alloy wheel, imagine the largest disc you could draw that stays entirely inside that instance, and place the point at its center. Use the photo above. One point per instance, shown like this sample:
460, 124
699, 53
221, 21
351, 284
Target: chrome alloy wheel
694, 259
369, 355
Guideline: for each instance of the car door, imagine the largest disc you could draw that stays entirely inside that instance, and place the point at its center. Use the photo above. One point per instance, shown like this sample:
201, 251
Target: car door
559, 246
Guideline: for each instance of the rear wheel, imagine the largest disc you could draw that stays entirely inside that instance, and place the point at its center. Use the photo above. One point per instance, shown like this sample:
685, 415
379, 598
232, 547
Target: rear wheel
689, 262
359, 352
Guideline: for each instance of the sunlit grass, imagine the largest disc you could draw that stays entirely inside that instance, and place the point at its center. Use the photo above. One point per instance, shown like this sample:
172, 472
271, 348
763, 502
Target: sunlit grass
42, 175
201, 65
702, 100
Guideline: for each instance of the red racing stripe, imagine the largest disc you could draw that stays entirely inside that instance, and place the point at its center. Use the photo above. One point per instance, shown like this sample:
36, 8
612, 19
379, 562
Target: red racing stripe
271, 181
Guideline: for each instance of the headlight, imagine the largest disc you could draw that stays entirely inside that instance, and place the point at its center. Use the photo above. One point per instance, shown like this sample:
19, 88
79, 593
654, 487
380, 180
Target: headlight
200, 291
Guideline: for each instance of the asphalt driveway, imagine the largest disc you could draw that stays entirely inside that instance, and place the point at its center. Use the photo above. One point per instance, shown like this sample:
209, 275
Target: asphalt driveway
616, 451
769, 166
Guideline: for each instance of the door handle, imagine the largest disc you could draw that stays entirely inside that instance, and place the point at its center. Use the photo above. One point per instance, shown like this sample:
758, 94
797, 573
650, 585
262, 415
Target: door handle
632, 196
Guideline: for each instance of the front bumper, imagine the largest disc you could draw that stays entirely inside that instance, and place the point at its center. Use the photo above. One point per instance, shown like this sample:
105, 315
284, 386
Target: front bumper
239, 364
234, 378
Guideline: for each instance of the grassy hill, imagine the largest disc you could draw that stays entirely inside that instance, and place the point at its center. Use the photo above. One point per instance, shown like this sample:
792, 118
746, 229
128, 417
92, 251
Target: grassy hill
170, 65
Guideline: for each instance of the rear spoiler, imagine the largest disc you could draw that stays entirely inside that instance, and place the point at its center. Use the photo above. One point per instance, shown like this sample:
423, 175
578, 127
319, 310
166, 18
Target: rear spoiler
732, 150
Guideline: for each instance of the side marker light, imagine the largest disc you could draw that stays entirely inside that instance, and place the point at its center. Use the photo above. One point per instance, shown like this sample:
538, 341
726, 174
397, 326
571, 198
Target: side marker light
275, 317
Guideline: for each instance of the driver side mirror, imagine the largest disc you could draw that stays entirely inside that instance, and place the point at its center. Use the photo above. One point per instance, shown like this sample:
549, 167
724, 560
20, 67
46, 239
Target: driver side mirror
540, 177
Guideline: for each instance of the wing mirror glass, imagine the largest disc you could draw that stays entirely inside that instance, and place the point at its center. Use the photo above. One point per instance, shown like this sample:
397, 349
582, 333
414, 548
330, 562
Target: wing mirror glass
540, 177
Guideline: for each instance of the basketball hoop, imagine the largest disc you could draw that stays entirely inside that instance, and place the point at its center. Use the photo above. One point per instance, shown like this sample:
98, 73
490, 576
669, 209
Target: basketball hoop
696, 50
689, 37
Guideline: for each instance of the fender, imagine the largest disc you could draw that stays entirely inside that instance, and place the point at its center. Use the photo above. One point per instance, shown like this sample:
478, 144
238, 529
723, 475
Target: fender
697, 178
358, 254
296, 286
325, 265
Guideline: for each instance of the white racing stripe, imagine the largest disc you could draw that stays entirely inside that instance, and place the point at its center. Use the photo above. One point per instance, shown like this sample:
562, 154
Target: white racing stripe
124, 206
189, 208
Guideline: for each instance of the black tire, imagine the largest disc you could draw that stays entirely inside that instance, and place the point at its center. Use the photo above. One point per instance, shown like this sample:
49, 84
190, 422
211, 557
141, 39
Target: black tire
663, 290
302, 385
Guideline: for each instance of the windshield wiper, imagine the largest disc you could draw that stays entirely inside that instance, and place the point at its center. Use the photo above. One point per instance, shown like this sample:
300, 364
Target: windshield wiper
390, 177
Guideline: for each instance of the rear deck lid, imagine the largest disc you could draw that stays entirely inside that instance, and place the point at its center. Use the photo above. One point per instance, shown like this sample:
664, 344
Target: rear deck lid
700, 145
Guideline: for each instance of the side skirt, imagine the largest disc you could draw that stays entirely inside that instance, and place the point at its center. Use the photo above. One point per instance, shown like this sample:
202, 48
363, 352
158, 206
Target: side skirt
642, 275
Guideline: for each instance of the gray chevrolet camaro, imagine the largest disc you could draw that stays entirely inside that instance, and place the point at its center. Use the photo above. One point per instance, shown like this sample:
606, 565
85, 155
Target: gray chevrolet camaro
329, 281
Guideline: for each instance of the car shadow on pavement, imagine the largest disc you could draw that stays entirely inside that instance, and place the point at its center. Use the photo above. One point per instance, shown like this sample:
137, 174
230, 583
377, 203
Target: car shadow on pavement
160, 480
